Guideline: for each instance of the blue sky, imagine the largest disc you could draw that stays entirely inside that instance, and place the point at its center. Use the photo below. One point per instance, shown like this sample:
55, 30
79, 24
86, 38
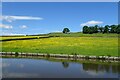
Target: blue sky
46, 17
60, 1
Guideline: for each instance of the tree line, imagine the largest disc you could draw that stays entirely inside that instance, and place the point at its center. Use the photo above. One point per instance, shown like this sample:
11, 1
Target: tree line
101, 29
98, 29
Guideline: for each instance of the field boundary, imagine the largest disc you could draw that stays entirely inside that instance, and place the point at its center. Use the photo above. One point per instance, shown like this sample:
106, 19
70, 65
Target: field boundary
24, 38
74, 57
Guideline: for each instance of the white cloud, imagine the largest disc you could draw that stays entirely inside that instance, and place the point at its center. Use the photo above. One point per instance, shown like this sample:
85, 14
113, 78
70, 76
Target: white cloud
10, 34
15, 34
5, 26
23, 26
13, 18
56, 31
91, 23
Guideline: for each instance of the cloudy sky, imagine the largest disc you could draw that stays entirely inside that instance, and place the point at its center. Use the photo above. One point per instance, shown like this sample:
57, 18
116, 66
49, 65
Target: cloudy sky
45, 17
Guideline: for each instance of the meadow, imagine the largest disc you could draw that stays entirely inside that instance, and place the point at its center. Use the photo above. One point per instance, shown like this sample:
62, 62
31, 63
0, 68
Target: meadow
84, 45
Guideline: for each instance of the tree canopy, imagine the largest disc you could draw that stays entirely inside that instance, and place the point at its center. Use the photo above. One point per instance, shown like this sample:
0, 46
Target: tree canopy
101, 29
66, 30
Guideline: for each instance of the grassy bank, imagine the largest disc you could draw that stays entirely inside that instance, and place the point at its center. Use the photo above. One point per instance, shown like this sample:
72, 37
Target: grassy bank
107, 46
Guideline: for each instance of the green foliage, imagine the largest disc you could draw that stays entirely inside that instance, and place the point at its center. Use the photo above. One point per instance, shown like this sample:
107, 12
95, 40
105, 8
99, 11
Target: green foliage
96, 29
16, 54
66, 30
101, 29
91, 29
113, 29
105, 29
85, 29
118, 29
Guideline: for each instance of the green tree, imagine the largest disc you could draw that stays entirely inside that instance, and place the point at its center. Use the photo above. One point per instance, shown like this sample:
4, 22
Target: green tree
85, 29
118, 29
106, 29
66, 30
91, 30
96, 29
113, 29
101, 29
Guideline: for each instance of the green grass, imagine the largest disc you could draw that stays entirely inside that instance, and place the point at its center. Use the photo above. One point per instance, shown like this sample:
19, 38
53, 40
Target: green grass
79, 34
66, 45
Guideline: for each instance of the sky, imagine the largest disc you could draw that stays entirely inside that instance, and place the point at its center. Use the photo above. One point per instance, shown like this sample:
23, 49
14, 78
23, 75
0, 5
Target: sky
45, 17
60, 0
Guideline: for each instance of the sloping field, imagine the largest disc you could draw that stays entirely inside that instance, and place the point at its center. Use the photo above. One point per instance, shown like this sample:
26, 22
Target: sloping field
107, 46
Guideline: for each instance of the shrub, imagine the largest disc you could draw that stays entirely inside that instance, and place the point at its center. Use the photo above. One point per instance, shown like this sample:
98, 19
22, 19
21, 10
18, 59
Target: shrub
16, 54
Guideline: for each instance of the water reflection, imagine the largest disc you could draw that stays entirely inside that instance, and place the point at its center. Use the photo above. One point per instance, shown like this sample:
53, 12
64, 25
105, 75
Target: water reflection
65, 64
27, 68
101, 67
97, 67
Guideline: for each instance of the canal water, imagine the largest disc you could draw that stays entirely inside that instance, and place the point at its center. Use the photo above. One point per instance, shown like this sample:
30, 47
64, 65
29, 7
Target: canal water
42, 68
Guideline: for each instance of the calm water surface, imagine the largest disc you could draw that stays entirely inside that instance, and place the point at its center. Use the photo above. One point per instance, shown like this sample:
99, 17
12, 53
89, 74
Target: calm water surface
40, 68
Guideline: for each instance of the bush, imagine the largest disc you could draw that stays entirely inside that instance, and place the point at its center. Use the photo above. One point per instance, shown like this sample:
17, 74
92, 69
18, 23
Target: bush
16, 54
